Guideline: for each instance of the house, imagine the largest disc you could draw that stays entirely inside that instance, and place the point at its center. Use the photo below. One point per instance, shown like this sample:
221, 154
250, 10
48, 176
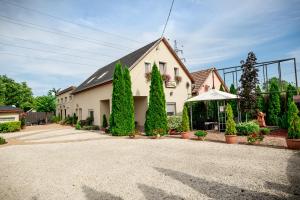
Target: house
9, 113
207, 79
64, 100
93, 96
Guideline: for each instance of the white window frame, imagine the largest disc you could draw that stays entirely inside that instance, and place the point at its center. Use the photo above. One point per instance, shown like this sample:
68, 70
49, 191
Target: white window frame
148, 67
173, 104
162, 70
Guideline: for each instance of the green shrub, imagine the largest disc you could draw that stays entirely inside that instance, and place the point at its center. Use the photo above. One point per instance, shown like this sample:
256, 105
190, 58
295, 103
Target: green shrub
201, 133
55, 119
10, 126
78, 126
230, 123
74, 119
185, 124
2, 140
265, 131
246, 128
294, 121
254, 137
174, 122
91, 127
283, 122
104, 121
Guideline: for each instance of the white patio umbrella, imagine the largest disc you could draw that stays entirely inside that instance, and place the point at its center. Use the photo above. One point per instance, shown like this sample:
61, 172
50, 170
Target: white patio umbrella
211, 95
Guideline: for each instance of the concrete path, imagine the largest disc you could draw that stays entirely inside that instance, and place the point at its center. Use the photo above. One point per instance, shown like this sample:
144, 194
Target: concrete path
62, 163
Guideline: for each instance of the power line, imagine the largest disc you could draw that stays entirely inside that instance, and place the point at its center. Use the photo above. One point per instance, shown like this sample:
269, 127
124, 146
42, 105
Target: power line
35, 49
58, 46
70, 22
39, 58
167, 19
54, 31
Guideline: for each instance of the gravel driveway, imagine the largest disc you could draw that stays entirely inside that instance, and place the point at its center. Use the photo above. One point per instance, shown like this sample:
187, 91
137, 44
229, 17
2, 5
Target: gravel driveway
62, 163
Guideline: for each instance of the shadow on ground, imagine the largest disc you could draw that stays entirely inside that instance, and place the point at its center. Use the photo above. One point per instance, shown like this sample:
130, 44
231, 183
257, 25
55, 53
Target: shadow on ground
214, 189
293, 175
152, 193
92, 194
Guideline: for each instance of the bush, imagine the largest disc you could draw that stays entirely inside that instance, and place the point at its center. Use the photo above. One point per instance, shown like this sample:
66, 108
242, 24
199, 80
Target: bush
230, 123
185, 124
255, 137
77, 127
10, 126
91, 127
264, 131
2, 140
74, 119
174, 122
246, 128
201, 133
104, 122
294, 121
55, 119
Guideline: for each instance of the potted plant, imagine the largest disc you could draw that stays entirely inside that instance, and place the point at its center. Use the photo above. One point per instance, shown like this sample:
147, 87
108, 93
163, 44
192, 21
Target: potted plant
201, 135
178, 79
174, 123
148, 76
293, 139
157, 133
185, 124
230, 132
166, 77
255, 138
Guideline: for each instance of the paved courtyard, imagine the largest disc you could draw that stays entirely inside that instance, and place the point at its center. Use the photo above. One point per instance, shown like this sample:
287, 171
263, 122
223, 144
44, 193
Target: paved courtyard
58, 162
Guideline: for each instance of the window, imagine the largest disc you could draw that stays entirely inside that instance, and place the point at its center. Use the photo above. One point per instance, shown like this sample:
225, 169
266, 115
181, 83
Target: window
61, 100
70, 97
66, 99
80, 114
176, 71
7, 119
91, 114
171, 109
162, 67
102, 75
147, 67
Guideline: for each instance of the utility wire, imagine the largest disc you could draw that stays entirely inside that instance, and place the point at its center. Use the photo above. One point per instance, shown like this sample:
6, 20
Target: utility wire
167, 19
70, 22
39, 58
47, 51
54, 31
57, 46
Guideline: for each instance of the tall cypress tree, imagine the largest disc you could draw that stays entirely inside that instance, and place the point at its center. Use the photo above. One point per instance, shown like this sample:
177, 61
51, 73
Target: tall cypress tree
274, 104
233, 102
249, 80
260, 103
129, 105
156, 116
117, 125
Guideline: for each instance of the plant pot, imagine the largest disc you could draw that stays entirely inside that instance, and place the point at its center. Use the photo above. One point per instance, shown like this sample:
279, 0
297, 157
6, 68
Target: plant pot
201, 138
293, 143
172, 132
230, 139
185, 135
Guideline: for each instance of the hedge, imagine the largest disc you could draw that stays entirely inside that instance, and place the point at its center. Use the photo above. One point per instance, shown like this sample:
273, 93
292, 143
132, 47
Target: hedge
246, 128
10, 126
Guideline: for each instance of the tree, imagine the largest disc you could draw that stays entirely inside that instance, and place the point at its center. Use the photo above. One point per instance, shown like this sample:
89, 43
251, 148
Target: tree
54, 91
185, 124
117, 123
249, 80
45, 104
129, 105
13, 93
274, 104
230, 123
233, 102
156, 116
260, 103
290, 92
294, 121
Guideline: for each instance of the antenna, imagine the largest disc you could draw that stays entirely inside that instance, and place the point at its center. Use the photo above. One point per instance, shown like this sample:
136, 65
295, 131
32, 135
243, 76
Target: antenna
179, 51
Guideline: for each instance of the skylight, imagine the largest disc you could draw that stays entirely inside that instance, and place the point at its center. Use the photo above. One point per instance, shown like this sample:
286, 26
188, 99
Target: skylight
90, 80
102, 75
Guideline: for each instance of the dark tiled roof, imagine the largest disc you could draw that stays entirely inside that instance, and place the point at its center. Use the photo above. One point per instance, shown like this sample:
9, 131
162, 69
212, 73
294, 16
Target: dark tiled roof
105, 74
199, 78
10, 109
66, 90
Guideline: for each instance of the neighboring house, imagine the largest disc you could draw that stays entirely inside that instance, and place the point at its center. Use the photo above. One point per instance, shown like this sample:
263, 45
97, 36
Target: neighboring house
9, 113
64, 100
207, 79
93, 96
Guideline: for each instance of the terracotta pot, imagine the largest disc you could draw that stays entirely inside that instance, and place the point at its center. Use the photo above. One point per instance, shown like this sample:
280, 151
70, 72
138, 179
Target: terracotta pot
185, 135
293, 143
230, 139
201, 138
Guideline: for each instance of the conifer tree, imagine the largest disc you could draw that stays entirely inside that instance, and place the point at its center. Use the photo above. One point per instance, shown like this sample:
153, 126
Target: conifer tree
294, 121
230, 123
185, 124
260, 103
274, 104
129, 104
233, 102
117, 125
156, 116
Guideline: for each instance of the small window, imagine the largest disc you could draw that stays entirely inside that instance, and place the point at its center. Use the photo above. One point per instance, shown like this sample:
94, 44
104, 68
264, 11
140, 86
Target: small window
70, 97
66, 99
176, 71
102, 75
162, 67
61, 100
90, 80
171, 109
147, 67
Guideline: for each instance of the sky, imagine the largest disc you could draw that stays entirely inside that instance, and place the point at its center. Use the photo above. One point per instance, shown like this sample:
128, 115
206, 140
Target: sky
58, 43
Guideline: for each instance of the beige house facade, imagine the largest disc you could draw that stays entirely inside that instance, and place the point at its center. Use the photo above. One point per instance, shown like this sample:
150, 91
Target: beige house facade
93, 96
9, 114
